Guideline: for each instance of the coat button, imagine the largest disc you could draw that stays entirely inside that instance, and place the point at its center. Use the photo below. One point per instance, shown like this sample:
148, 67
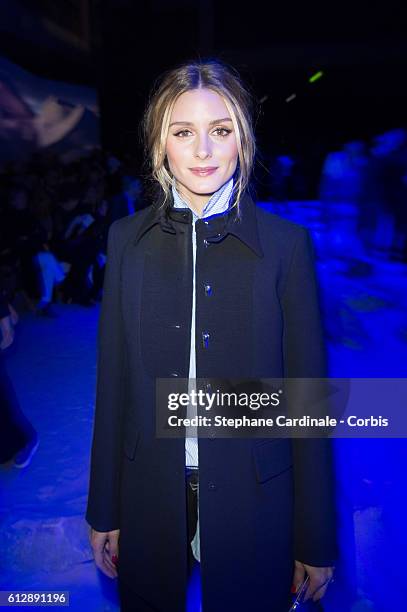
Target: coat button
208, 289
206, 242
212, 486
205, 339
174, 374
176, 326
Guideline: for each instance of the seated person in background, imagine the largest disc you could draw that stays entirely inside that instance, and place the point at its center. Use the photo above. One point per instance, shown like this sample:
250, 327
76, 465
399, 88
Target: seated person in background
80, 240
27, 244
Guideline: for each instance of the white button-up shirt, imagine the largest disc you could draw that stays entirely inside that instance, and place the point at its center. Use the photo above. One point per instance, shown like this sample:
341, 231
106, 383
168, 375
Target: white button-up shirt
218, 203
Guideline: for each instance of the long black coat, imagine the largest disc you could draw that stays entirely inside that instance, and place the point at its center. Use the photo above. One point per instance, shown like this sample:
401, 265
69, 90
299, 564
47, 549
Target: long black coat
263, 503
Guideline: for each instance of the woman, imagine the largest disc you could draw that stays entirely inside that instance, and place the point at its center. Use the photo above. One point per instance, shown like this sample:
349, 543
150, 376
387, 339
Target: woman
202, 284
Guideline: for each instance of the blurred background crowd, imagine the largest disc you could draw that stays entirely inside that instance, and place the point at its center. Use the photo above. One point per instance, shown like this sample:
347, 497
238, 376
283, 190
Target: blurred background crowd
364, 182
54, 220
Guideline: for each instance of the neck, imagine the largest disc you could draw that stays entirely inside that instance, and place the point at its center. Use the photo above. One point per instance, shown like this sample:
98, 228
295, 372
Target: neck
195, 201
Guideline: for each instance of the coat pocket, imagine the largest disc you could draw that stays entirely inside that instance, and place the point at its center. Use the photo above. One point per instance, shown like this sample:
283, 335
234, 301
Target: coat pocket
131, 439
271, 458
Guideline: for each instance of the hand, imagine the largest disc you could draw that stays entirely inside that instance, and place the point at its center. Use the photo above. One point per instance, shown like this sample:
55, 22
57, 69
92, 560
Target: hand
319, 578
105, 546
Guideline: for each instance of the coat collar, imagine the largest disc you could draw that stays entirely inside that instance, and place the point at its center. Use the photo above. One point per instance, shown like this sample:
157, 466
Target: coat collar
245, 228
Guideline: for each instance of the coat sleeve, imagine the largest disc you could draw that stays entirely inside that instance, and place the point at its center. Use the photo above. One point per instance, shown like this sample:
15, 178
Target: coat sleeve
315, 540
104, 487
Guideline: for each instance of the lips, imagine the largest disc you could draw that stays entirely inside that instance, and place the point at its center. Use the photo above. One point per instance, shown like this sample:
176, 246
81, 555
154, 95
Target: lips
204, 171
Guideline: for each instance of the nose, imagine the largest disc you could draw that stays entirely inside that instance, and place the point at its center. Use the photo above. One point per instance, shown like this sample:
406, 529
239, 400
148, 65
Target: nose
203, 147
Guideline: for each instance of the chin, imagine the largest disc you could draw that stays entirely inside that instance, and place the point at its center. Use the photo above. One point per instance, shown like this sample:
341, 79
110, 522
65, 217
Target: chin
205, 187
205, 191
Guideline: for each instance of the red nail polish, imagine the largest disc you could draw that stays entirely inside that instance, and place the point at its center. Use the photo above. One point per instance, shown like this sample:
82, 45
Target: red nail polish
115, 559
293, 589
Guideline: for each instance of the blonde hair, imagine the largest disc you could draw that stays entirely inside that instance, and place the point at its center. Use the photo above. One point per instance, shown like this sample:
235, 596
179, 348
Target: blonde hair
195, 75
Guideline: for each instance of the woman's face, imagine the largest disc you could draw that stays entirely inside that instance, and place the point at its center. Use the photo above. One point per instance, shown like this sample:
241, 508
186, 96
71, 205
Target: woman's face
201, 146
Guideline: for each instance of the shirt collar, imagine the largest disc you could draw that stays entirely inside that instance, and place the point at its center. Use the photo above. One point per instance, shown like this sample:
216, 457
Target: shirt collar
244, 228
217, 203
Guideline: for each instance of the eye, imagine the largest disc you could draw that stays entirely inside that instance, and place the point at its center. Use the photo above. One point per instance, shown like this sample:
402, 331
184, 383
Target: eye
183, 133
222, 131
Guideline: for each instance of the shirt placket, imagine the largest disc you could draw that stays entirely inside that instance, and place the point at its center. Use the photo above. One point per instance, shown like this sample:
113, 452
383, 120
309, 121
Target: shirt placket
191, 443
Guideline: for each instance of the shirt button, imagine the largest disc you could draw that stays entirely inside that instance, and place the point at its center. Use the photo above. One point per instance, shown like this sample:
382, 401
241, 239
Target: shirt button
208, 289
205, 339
212, 486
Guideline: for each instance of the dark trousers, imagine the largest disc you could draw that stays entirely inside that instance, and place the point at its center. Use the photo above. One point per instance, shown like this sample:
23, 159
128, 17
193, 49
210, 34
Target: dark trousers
129, 600
15, 429
192, 512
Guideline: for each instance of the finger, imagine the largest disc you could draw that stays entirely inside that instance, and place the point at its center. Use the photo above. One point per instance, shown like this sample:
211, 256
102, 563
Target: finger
321, 590
100, 564
299, 575
109, 565
98, 545
112, 548
107, 559
317, 588
107, 571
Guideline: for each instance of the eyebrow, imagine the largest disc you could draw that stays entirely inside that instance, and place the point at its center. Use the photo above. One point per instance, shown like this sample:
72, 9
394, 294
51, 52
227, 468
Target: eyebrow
211, 123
